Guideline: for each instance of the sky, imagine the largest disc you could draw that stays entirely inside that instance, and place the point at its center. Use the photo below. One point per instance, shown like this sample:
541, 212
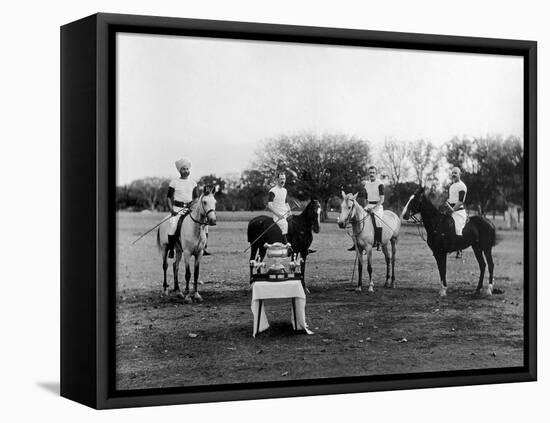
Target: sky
215, 101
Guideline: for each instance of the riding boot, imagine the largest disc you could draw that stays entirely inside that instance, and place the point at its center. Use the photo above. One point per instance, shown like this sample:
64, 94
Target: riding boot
377, 237
171, 245
352, 248
204, 252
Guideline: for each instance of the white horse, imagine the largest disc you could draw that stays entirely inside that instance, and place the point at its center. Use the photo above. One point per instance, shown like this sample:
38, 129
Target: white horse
192, 240
354, 216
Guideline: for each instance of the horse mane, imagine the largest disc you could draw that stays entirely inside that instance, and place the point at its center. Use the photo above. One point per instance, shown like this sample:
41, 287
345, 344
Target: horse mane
432, 208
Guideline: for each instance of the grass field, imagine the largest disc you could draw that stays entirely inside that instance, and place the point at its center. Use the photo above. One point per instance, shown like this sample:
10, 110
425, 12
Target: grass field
162, 342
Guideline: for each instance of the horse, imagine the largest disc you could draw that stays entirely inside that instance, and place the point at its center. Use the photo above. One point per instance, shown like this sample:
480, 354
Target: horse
479, 233
262, 230
192, 240
352, 214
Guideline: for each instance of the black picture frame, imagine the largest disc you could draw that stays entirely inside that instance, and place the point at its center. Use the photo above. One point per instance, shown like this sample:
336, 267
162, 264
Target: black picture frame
88, 213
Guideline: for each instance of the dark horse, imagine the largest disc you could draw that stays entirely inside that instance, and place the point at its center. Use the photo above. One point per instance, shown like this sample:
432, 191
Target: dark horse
300, 228
479, 233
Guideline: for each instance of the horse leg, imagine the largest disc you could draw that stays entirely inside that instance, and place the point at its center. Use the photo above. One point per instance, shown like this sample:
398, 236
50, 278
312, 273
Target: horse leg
303, 270
175, 268
359, 269
369, 267
441, 259
387, 257
481, 261
196, 296
187, 298
165, 268
393, 253
253, 252
489, 258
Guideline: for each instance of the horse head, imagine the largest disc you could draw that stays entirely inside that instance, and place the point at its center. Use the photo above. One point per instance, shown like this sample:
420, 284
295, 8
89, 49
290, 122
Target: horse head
207, 206
314, 214
414, 205
348, 209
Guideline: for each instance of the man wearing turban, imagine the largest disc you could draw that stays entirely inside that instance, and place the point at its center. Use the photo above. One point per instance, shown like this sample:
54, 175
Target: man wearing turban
455, 203
181, 193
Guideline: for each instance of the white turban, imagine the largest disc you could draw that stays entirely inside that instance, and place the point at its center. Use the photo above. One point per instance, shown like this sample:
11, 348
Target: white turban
183, 163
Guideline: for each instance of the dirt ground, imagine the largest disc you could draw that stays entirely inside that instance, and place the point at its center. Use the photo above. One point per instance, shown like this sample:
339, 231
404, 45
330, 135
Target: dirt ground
162, 342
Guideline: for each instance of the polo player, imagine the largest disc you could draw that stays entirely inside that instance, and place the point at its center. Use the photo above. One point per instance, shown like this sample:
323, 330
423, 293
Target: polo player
181, 192
455, 203
278, 205
374, 189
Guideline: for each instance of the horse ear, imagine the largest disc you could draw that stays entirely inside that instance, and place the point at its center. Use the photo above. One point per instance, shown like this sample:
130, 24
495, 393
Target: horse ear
355, 196
343, 195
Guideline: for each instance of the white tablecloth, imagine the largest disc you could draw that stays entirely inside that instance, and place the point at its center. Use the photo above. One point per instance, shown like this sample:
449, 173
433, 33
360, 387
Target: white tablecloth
262, 291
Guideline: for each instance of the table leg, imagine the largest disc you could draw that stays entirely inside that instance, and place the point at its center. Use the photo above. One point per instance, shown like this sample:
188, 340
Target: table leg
294, 313
259, 316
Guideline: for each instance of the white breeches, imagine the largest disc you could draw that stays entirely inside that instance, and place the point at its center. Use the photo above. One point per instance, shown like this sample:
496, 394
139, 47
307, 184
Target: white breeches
174, 221
282, 223
459, 217
378, 211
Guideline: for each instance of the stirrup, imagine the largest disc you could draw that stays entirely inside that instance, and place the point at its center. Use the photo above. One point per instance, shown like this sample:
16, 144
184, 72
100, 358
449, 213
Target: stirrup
206, 253
352, 248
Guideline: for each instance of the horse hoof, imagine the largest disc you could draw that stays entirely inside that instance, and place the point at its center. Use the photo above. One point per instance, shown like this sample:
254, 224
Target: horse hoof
187, 299
442, 292
371, 289
490, 290
197, 298
392, 286
358, 289
178, 293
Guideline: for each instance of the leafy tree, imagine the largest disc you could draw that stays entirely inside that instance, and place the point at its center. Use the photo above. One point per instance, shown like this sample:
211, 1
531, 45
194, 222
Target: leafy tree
148, 192
492, 169
316, 166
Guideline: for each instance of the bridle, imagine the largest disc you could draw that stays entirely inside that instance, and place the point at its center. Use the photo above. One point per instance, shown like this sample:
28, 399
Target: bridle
416, 221
348, 221
205, 214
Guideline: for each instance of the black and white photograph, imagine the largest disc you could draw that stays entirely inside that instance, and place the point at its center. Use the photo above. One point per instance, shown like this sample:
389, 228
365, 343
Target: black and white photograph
293, 212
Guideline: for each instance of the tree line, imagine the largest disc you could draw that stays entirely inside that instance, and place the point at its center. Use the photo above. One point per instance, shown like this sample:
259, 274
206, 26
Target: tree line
321, 166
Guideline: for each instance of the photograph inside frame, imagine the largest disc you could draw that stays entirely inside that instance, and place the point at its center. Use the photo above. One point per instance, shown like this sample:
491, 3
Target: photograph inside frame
290, 211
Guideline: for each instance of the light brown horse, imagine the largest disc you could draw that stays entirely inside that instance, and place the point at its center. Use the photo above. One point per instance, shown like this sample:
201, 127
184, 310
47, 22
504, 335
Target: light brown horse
353, 216
192, 241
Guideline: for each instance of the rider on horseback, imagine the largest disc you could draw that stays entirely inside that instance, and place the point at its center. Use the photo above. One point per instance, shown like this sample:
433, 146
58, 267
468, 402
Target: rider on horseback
375, 198
181, 193
277, 204
455, 203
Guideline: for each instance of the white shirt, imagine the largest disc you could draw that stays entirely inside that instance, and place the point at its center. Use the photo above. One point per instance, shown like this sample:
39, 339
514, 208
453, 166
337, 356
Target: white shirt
183, 189
373, 190
279, 201
454, 189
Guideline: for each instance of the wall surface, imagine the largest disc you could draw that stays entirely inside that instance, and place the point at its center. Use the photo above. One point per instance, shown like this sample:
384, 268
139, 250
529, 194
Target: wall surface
30, 176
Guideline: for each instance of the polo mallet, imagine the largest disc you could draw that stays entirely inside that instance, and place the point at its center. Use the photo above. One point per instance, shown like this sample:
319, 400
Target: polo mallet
156, 226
